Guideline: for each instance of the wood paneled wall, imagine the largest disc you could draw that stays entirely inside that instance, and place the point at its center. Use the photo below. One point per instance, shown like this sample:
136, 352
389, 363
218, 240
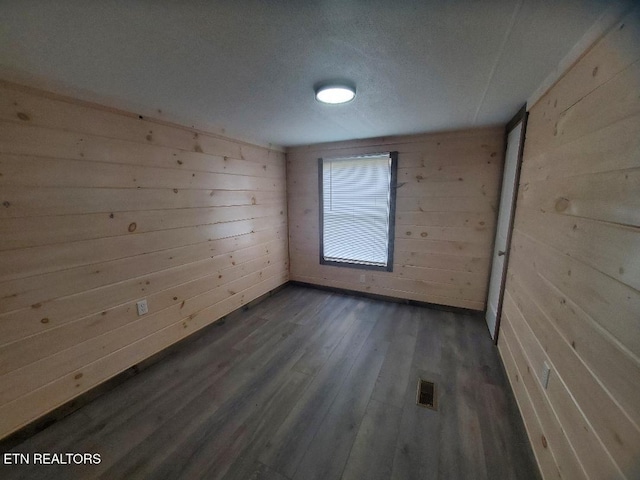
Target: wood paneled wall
445, 216
101, 208
573, 289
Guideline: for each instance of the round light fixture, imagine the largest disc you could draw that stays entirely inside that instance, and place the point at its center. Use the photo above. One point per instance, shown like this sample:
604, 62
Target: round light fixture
335, 94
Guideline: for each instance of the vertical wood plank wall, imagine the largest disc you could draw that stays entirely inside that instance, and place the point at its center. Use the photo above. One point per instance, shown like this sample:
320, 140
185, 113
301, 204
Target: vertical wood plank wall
573, 288
99, 209
445, 217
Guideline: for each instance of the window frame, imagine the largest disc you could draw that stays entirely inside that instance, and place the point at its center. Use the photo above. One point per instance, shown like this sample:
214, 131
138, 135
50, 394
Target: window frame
393, 181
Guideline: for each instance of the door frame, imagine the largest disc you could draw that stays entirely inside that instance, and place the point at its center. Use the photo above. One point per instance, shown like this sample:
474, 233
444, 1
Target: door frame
520, 117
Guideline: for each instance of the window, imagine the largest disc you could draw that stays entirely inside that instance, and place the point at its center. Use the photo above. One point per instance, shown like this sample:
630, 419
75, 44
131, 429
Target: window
357, 210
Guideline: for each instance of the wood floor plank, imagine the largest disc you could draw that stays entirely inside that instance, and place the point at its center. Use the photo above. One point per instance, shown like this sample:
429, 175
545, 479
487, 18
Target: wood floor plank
370, 455
229, 444
198, 382
285, 450
451, 457
326, 456
394, 375
262, 472
178, 376
307, 384
432, 330
471, 458
219, 410
269, 419
500, 428
314, 305
418, 443
188, 418
339, 324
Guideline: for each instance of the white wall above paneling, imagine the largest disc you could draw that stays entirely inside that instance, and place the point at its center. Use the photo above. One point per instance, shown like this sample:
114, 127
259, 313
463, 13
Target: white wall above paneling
247, 68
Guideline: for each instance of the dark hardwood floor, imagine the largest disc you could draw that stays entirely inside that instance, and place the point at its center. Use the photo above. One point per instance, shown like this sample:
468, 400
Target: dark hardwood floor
305, 385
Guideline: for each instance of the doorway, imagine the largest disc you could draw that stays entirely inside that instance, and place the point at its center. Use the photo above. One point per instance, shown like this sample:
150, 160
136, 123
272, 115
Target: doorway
515, 134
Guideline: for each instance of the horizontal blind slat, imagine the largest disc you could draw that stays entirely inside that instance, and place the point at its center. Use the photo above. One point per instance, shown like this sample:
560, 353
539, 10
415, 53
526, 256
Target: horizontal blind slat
356, 193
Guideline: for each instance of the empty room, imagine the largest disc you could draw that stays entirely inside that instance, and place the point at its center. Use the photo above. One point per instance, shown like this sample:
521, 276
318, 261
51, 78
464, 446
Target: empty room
320, 240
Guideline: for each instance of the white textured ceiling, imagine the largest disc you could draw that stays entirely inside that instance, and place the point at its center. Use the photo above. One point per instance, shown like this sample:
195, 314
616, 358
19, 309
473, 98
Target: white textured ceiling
249, 66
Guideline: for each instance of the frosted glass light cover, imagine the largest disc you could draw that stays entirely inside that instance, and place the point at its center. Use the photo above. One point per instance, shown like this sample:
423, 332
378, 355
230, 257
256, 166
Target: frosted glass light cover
335, 94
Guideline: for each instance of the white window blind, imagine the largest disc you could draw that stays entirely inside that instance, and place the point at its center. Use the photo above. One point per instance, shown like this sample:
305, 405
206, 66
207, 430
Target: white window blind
356, 198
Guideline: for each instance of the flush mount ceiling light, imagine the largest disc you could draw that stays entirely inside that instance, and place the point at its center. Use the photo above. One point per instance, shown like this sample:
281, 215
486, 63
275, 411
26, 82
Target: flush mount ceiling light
335, 93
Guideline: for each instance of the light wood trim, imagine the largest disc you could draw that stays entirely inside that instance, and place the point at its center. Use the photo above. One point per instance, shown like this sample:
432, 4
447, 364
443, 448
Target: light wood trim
36, 374
608, 196
601, 245
410, 143
22, 232
43, 89
593, 291
27, 321
101, 208
615, 100
31, 171
592, 49
605, 50
452, 301
17, 413
609, 149
33, 292
607, 420
53, 143
67, 333
35, 201
556, 458
588, 447
50, 258
445, 216
573, 288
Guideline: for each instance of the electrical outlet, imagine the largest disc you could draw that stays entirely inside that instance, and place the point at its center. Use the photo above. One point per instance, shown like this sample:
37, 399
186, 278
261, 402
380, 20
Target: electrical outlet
362, 278
142, 307
546, 371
